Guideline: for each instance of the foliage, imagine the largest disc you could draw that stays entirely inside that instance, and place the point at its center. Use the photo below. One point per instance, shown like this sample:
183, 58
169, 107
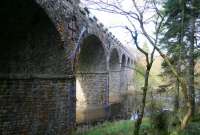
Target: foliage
153, 106
192, 129
160, 121
179, 42
158, 117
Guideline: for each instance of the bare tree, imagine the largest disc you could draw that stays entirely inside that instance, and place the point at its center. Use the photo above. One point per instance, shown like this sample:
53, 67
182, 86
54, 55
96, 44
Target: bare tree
149, 62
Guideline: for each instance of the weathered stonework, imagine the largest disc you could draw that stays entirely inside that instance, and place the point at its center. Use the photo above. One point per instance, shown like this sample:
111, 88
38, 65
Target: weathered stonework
35, 106
54, 57
91, 97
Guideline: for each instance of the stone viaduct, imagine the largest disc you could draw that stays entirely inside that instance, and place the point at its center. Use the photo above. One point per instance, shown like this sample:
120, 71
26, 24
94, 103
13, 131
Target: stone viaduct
58, 66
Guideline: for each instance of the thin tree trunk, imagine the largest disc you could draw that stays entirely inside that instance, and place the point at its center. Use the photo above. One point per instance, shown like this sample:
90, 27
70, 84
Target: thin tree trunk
191, 82
183, 85
141, 114
191, 65
149, 62
188, 115
178, 69
176, 102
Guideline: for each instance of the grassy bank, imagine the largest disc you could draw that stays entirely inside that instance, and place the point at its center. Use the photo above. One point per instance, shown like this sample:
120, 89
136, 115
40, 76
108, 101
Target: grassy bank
123, 127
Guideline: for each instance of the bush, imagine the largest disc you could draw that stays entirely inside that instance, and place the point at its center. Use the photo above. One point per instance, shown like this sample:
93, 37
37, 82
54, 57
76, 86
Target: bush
159, 118
192, 129
194, 126
196, 118
153, 107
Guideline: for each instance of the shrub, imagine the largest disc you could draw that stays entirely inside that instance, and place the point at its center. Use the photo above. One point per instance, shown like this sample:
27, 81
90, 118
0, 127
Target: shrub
159, 118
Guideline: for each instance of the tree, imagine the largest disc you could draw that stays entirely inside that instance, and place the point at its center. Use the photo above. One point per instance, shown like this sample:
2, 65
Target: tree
173, 41
149, 62
180, 25
136, 17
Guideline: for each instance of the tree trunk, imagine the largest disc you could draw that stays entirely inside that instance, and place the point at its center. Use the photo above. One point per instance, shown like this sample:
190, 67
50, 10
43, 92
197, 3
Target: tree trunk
183, 85
141, 114
178, 69
191, 65
176, 100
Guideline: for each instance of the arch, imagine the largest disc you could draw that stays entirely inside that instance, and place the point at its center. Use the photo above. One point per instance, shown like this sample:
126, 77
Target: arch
123, 61
33, 71
131, 61
92, 56
91, 80
128, 62
114, 60
123, 75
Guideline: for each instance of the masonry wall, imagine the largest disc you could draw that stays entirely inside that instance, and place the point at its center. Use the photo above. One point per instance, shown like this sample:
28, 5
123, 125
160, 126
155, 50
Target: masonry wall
123, 81
37, 94
36, 106
130, 75
92, 97
114, 86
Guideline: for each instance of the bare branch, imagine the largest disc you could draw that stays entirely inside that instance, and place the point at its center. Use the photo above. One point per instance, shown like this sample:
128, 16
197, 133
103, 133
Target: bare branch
135, 36
136, 7
156, 9
152, 56
112, 8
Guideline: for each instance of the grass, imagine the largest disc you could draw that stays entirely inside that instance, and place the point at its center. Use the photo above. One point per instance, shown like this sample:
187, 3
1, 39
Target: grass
123, 127
111, 128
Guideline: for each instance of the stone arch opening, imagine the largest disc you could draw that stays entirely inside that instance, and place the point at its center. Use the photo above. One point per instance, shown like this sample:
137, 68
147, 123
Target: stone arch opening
114, 61
129, 72
32, 70
131, 62
92, 57
123, 62
128, 62
91, 80
123, 76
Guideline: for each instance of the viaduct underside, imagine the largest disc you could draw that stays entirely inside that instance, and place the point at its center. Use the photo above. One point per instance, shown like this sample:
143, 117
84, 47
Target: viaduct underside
58, 67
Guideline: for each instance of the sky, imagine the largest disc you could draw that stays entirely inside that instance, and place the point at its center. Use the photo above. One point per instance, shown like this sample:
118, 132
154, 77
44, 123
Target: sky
113, 21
